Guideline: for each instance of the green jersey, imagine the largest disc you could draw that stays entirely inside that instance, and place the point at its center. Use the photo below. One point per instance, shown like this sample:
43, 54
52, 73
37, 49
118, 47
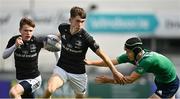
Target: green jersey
152, 62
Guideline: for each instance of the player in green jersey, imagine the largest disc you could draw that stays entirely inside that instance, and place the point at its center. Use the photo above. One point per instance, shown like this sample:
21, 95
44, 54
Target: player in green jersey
166, 79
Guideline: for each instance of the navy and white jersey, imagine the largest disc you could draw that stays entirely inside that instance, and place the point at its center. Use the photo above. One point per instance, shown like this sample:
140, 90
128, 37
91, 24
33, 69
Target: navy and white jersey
26, 57
74, 48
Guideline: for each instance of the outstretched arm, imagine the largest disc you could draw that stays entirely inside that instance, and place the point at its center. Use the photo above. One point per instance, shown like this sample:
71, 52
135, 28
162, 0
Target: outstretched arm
100, 63
117, 75
124, 80
105, 79
130, 79
106, 60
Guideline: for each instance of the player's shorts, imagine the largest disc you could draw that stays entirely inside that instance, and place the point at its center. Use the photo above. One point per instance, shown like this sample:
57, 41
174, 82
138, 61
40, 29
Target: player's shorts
77, 81
167, 90
30, 85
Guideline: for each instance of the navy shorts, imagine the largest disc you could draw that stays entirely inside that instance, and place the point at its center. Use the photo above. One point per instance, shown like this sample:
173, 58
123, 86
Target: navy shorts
167, 90
27, 90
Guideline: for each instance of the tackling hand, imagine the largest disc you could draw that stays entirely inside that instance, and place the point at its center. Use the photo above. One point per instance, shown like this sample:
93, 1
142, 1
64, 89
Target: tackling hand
118, 77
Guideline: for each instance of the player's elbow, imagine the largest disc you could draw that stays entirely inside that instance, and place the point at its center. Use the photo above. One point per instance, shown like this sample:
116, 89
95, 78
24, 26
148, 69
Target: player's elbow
4, 56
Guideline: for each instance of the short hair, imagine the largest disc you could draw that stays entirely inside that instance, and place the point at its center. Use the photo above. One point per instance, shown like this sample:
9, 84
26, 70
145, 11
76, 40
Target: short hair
26, 21
77, 11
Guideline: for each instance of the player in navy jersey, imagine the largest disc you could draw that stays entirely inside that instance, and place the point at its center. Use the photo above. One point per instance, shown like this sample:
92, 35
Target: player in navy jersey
71, 66
26, 48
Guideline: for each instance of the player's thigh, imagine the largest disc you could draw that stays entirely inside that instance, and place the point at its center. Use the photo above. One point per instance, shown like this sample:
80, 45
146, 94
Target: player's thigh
55, 81
78, 83
18, 89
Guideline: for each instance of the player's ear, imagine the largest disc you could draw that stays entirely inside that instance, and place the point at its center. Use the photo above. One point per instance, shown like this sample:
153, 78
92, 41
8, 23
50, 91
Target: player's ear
70, 20
19, 30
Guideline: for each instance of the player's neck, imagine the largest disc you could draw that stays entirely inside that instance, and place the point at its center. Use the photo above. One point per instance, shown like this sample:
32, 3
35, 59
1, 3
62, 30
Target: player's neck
73, 31
140, 55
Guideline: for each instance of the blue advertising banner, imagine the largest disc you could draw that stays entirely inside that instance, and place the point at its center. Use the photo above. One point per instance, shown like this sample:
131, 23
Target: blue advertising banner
4, 89
121, 23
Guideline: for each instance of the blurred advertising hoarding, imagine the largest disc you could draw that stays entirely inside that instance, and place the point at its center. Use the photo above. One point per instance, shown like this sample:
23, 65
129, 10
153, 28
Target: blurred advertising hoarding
164, 24
105, 17
4, 88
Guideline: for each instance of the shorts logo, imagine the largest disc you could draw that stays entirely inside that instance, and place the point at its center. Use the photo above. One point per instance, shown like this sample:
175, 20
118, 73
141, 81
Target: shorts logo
36, 85
84, 90
160, 92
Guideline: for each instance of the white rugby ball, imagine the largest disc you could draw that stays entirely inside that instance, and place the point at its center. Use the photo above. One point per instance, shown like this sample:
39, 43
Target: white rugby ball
53, 43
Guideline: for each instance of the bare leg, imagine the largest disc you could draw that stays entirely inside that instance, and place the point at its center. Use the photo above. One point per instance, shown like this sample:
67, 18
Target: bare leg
173, 97
154, 96
16, 91
53, 83
79, 96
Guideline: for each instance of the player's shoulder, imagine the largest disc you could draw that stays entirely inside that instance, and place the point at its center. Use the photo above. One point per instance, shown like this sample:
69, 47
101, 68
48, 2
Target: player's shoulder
148, 57
64, 25
15, 37
35, 38
84, 33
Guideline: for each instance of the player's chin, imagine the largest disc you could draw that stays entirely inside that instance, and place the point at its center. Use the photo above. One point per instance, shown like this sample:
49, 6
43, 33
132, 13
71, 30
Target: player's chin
78, 28
27, 38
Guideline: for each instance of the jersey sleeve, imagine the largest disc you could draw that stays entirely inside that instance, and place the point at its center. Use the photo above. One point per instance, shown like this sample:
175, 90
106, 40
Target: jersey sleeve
62, 26
124, 59
40, 40
91, 42
143, 66
59, 28
11, 42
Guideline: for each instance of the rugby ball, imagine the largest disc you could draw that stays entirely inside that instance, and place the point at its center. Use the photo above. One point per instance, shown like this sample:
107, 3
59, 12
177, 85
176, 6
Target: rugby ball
52, 43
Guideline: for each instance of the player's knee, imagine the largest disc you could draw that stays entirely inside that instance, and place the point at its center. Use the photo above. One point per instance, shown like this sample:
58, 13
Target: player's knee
13, 92
51, 88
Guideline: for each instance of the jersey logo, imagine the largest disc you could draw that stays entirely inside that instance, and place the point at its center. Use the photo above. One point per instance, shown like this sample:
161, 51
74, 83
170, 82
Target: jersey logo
160, 92
64, 37
65, 30
25, 51
32, 48
69, 45
140, 69
78, 43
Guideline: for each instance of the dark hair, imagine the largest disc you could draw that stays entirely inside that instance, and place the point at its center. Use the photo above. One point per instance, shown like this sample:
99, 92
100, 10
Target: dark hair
77, 11
134, 44
27, 21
